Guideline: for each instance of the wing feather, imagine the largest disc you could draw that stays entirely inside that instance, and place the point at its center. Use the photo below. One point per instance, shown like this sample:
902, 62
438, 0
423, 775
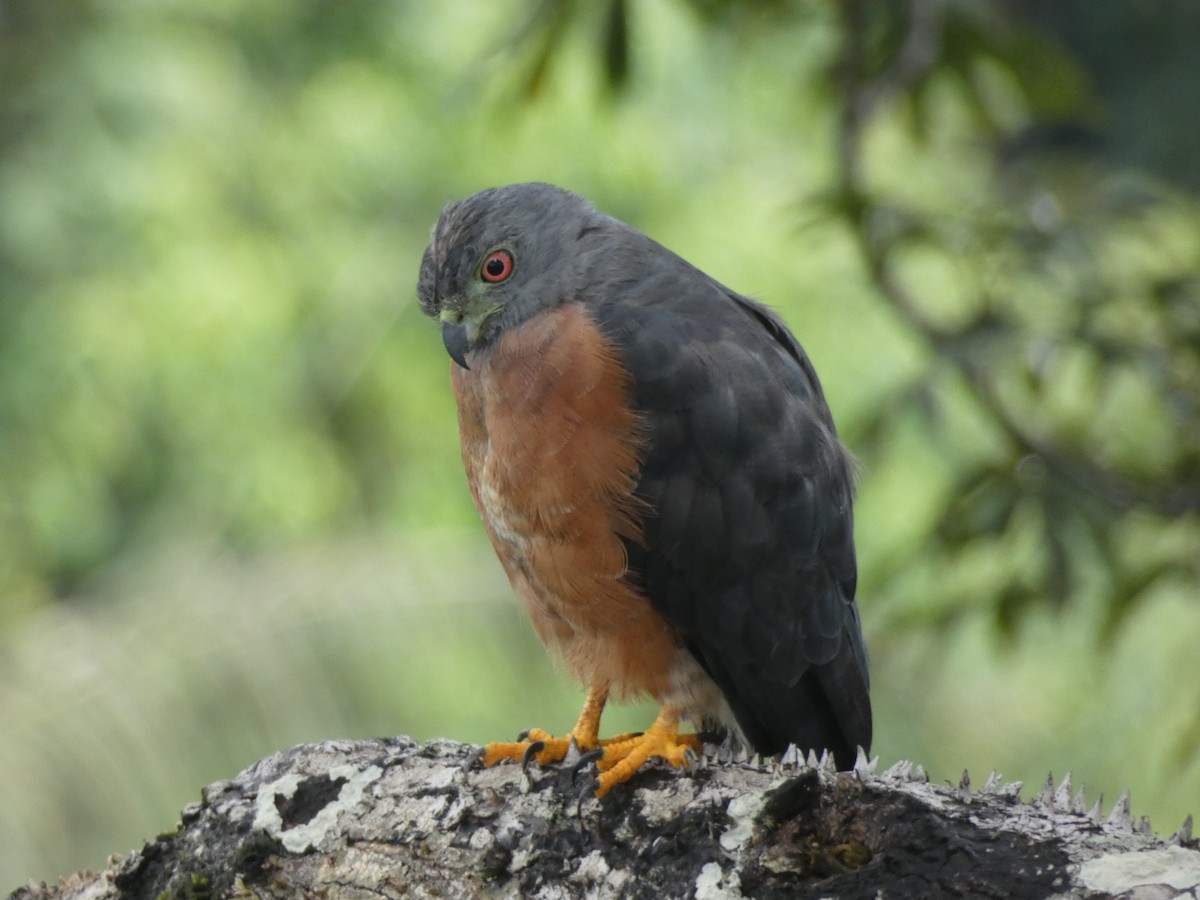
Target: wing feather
748, 547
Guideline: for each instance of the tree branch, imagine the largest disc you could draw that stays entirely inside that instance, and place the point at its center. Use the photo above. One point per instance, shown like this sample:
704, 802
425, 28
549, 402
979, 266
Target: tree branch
393, 818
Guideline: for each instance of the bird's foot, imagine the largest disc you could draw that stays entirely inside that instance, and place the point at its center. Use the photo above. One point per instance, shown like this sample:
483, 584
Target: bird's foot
623, 757
617, 758
543, 747
534, 744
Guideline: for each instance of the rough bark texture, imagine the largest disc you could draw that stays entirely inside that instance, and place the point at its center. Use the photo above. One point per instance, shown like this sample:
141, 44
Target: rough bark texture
393, 818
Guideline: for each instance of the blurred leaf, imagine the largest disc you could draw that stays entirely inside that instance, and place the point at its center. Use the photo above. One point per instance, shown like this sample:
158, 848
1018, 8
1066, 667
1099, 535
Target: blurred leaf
981, 504
1058, 581
616, 44
545, 32
1013, 603
1130, 587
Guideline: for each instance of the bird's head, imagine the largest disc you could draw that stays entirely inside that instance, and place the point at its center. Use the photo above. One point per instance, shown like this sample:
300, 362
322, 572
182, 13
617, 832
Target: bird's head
499, 257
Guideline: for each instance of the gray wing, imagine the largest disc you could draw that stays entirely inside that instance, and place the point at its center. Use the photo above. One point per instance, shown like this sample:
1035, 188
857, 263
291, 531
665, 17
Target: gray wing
748, 548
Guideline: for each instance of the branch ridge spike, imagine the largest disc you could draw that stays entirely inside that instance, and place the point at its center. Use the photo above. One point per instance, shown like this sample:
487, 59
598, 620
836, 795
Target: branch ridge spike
1119, 817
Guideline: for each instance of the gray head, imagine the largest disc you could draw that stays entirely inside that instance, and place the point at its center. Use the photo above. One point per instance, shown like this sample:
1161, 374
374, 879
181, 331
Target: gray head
501, 256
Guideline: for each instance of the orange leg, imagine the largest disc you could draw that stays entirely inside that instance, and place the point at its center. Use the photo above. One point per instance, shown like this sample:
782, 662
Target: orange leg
554, 749
624, 756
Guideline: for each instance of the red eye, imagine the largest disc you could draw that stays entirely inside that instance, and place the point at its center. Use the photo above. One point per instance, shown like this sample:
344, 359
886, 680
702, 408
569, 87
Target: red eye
497, 266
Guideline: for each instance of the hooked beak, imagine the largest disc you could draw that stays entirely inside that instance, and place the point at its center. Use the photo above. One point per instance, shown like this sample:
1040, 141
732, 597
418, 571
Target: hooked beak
461, 327
454, 336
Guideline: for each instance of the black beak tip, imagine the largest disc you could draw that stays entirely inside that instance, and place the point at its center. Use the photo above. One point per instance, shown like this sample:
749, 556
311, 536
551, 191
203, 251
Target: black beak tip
455, 339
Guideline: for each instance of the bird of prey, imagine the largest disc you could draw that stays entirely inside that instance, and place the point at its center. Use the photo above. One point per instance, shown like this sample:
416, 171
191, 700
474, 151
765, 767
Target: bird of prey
654, 461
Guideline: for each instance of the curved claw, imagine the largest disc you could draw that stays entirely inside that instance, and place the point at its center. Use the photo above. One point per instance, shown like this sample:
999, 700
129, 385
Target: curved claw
531, 752
690, 758
585, 759
474, 758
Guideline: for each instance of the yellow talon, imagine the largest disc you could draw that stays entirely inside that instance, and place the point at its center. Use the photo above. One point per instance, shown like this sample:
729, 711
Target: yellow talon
555, 748
623, 754
663, 741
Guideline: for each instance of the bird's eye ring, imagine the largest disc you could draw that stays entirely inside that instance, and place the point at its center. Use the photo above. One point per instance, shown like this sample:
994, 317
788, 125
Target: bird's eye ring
497, 266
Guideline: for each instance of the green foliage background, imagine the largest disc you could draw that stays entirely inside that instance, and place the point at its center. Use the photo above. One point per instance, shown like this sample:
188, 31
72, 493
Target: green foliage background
233, 515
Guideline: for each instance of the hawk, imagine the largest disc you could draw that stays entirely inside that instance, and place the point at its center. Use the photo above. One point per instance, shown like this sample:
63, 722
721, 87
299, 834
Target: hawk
654, 461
